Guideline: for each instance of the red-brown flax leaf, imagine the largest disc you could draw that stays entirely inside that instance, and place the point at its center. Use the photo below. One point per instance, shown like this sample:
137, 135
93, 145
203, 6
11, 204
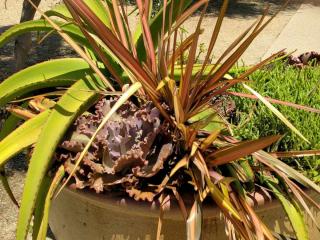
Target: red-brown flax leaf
241, 49
254, 26
224, 68
119, 24
215, 35
169, 35
186, 14
226, 52
240, 150
181, 48
120, 51
114, 44
147, 34
112, 18
130, 37
276, 101
186, 80
95, 46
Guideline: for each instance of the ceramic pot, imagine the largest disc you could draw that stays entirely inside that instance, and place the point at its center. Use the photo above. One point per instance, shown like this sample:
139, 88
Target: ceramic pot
82, 215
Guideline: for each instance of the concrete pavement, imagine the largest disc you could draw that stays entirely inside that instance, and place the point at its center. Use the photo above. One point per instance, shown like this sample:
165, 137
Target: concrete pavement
302, 33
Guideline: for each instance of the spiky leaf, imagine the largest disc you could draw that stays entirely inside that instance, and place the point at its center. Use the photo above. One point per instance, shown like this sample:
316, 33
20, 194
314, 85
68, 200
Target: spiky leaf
76, 100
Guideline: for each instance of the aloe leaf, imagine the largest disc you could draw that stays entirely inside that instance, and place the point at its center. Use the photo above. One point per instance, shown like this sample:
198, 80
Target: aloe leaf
292, 210
23, 137
42, 25
6, 186
8, 126
59, 10
60, 72
96, 6
75, 101
156, 26
100, 11
42, 233
39, 210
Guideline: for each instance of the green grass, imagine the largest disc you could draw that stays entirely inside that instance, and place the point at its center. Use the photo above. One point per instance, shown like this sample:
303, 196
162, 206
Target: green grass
287, 83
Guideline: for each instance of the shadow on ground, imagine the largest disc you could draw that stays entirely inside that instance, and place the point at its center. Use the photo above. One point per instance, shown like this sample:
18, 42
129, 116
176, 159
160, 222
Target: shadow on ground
252, 8
52, 47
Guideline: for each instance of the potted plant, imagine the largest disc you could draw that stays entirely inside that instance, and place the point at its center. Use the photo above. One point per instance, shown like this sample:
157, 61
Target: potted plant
132, 118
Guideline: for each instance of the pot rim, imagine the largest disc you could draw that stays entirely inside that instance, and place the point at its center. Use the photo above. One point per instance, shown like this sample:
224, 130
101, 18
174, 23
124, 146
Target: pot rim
113, 201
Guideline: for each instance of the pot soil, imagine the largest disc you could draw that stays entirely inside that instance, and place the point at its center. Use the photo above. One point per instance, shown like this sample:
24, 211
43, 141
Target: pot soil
84, 215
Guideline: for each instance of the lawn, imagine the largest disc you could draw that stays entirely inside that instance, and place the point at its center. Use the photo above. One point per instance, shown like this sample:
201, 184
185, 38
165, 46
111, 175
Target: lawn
287, 83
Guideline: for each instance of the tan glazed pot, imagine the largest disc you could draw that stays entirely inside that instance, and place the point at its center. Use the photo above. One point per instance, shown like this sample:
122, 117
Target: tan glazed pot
81, 215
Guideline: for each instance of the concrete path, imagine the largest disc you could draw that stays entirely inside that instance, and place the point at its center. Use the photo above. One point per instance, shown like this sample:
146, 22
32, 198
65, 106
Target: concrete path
10, 11
302, 33
241, 13
296, 28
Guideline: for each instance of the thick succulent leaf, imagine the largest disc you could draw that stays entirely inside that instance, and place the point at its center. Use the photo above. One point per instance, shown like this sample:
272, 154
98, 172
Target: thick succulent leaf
292, 210
23, 137
100, 11
8, 126
96, 6
38, 212
42, 25
6, 186
59, 10
76, 46
74, 102
156, 26
42, 233
60, 72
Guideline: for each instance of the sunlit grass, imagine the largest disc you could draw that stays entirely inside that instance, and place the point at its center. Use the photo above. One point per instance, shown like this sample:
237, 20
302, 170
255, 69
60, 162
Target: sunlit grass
287, 83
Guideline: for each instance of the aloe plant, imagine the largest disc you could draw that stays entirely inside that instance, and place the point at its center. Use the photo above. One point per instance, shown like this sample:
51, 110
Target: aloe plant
133, 118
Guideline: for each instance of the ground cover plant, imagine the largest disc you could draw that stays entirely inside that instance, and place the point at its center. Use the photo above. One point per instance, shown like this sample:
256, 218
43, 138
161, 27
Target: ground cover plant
129, 116
291, 84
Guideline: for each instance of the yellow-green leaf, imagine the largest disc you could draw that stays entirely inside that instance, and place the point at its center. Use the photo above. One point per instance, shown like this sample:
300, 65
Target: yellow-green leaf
75, 101
292, 210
